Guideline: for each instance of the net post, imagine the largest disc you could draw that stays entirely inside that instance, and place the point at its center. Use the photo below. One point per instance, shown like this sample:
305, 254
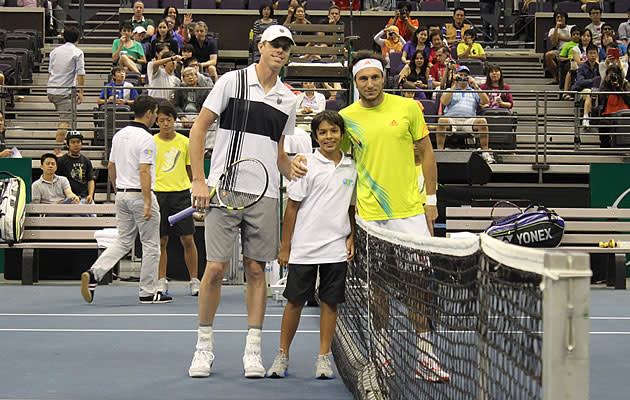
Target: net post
566, 313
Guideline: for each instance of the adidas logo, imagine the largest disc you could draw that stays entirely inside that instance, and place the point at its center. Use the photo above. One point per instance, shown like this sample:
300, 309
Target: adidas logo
394, 123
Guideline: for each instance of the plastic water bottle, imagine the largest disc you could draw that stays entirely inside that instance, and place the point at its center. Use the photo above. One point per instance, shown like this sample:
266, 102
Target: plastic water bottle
251, 34
430, 83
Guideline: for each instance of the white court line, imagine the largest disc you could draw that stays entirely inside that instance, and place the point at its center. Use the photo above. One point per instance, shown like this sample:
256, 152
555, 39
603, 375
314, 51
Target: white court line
139, 330
135, 315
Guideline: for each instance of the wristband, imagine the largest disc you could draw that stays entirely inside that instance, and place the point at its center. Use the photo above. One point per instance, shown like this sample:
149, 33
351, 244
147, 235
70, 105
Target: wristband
431, 200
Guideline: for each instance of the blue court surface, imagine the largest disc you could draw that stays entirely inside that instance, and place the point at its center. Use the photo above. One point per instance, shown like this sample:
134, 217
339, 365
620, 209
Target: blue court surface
55, 346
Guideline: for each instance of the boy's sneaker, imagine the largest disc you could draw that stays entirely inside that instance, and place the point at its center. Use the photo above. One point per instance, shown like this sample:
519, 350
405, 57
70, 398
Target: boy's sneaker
252, 363
88, 285
201, 364
586, 122
323, 367
162, 285
280, 367
429, 369
157, 298
194, 286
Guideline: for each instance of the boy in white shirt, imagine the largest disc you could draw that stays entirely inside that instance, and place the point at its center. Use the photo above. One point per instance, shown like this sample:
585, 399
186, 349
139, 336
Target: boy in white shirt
317, 235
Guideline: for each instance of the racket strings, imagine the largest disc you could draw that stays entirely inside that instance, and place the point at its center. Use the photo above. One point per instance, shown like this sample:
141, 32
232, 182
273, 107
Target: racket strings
242, 184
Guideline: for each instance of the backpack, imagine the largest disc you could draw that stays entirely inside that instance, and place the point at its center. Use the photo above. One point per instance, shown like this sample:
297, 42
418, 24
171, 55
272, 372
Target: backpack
12, 208
535, 226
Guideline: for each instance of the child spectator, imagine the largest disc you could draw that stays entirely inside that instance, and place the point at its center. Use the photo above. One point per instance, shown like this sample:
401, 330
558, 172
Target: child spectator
51, 188
126, 51
468, 48
139, 34
393, 43
418, 42
162, 75
163, 37
317, 235
77, 168
559, 35
310, 101
118, 90
494, 81
595, 14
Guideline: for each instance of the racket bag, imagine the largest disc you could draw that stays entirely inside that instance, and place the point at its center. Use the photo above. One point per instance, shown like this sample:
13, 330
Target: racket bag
535, 226
12, 207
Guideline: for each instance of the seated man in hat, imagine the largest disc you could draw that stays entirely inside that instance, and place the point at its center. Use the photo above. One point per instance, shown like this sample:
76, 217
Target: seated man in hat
461, 102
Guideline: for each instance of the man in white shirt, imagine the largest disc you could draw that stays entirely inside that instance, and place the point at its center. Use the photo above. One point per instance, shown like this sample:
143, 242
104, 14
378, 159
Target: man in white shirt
559, 35
254, 112
65, 68
132, 172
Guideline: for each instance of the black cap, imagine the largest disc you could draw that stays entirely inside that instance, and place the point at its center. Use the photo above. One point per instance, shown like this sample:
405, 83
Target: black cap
73, 135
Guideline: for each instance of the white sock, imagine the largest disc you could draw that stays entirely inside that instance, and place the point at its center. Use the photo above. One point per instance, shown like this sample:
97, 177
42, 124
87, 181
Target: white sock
586, 116
254, 339
205, 338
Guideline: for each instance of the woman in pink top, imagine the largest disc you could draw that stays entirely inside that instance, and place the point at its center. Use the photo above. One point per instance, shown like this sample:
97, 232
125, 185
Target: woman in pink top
494, 82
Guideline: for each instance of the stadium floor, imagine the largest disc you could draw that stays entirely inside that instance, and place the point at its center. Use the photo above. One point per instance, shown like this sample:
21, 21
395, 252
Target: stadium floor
55, 346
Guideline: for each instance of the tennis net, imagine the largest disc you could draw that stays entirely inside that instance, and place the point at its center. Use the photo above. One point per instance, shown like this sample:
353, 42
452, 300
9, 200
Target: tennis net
437, 318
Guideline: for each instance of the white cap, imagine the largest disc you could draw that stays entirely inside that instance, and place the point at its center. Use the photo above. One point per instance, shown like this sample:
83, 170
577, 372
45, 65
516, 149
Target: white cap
276, 31
139, 29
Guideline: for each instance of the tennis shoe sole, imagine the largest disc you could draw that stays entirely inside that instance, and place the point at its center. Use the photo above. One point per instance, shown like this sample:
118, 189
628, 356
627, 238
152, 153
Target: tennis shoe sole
85, 287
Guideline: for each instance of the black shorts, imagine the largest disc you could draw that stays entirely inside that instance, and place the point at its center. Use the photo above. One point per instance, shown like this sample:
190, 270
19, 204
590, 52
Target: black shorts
302, 278
171, 203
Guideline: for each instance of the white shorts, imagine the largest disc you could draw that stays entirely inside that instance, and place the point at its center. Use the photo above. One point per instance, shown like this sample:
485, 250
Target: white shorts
461, 124
416, 225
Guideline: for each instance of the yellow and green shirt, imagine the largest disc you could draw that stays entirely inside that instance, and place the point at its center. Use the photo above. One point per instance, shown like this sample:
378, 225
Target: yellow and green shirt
170, 164
382, 139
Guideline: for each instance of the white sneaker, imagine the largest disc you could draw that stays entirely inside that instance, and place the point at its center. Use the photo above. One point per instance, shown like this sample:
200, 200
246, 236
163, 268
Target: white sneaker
201, 364
586, 122
280, 366
323, 367
162, 286
194, 286
428, 368
252, 363
487, 156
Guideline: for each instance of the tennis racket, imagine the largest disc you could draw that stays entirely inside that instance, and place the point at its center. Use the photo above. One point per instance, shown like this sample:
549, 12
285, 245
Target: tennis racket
241, 185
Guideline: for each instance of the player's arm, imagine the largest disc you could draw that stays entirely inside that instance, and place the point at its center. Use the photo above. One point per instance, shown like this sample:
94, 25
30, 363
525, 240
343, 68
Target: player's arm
145, 187
197, 146
429, 169
111, 169
284, 162
91, 187
288, 226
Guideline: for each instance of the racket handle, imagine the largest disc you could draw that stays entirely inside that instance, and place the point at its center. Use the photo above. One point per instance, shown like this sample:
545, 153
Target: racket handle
181, 215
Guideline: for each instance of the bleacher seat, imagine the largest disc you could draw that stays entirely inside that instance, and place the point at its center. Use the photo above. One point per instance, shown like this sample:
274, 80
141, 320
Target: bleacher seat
433, 6
283, 4
179, 4
430, 110
548, 6
255, 4
9, 73
11, 3
413, 6
621, 6
150, 3
476, 67
3, 35
395, 63
16, 63
233, 4
203, 4
621, 140
569, 7
27, 62
501, 126
24, 40
318, 4
110, 118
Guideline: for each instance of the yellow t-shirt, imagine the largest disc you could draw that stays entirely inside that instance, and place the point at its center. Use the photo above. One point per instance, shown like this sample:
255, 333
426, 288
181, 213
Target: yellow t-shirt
382, 139
170, 164
476, 50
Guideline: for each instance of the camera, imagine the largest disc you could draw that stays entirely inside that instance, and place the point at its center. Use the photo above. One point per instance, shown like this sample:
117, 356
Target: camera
614, 77
460, 78
451, 62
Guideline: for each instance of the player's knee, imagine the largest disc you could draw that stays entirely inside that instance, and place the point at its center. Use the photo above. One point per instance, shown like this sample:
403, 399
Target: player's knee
215, 273
255, 273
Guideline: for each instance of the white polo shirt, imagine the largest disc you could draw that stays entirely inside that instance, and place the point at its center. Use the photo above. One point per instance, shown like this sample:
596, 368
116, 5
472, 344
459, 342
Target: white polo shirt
131, 146
322, 224
250, 124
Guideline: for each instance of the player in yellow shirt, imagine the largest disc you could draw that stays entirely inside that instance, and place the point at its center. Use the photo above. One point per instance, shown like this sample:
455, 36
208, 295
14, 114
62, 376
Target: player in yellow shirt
172, 189
468, 48
383, 130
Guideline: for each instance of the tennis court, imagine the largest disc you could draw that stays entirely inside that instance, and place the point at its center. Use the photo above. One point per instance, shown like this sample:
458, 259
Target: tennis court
55, 346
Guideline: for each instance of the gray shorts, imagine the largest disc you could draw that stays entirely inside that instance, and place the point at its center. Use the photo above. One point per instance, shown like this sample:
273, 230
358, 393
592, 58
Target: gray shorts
63, 105
259, 226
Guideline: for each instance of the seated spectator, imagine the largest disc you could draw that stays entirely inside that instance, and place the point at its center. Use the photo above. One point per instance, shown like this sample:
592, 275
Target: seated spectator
439, 68
595, 14
461, 111
204, 48
163, 37
203, 80
310, 101
577, 56
139, 34
138, 19
162, 75
188, 102
418, 42
437, 41
378, 5
266, 20
494, 82
296, 15
454, 32
608, 37
609, 104
559, 35
333, 17
624, 30
4, 150
403, 21
468, 48
50, 188
77, 168
171, 15
393, 42
585, 3
127, 52
118, 90
586, 74
417, 73
613, 57
565, 55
